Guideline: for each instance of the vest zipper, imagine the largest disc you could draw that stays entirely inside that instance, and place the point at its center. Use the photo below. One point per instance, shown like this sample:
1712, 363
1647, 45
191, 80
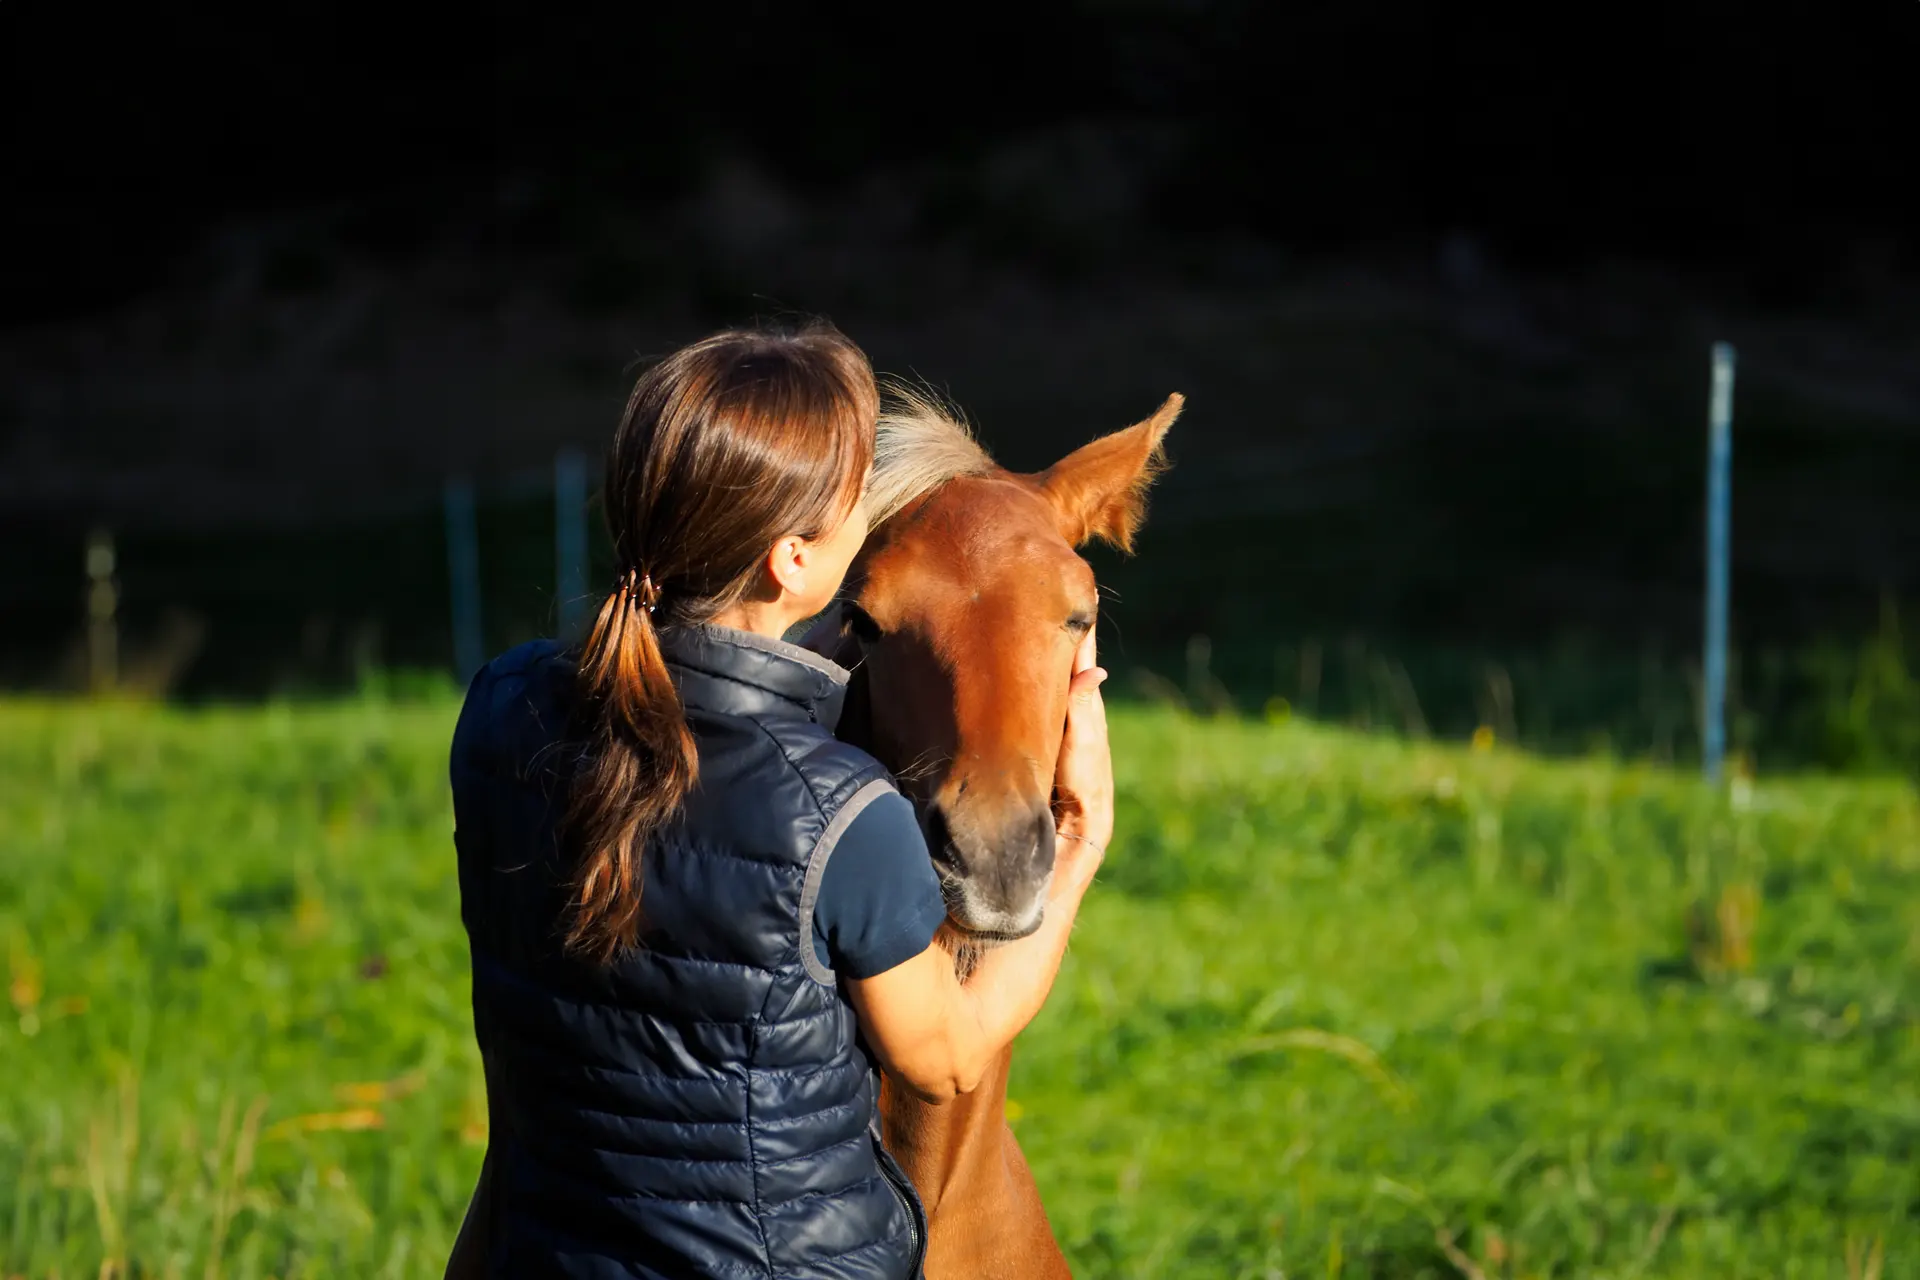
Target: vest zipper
897, 1183
913, 1222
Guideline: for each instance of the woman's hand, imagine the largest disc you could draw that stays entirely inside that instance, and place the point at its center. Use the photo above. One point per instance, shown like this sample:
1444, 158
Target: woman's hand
1083, 777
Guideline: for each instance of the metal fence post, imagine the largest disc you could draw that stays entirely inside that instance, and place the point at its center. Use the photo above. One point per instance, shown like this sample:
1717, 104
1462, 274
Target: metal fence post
570, 542
463, 576
103, 629
1713, 720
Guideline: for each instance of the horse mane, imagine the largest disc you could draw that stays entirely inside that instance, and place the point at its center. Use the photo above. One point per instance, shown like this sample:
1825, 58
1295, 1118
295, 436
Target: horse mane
922, 443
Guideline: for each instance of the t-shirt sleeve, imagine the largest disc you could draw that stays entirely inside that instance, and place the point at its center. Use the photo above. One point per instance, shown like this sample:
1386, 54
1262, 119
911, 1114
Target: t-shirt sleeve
879, 902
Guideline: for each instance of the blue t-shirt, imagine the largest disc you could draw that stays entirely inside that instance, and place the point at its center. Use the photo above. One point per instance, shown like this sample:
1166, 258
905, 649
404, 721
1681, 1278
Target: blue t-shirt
879, 901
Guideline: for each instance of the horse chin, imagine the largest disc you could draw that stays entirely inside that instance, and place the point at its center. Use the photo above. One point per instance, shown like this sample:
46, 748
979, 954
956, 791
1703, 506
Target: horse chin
988, 939
982, 926
968, 945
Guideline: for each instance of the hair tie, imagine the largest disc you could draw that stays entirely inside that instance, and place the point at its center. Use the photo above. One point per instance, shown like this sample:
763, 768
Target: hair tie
638, 588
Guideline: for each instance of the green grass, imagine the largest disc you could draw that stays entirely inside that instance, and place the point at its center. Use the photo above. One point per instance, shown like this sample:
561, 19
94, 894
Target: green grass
1339, 1006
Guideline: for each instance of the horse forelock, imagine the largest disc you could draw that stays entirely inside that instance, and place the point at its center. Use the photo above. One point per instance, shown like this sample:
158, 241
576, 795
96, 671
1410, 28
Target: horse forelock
922, 443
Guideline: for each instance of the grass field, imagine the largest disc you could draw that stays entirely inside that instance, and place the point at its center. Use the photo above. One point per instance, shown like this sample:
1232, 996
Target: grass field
1340, 1006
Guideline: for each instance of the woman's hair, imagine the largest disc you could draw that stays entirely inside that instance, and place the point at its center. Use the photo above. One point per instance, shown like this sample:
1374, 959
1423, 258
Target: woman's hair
726, 446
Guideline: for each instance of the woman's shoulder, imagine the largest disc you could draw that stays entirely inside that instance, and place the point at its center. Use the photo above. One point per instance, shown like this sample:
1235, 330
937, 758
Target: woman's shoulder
516, 708
521, 662
833, 770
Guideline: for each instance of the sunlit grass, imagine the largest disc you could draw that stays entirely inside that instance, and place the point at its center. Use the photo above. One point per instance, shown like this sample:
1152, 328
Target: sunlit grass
1339, 1006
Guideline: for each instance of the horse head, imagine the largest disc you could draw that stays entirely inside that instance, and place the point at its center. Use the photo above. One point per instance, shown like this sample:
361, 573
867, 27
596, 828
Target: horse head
960, 618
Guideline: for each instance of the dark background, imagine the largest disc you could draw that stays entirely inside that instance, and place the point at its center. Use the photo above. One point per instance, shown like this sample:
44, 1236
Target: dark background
1765, 140
1439, 284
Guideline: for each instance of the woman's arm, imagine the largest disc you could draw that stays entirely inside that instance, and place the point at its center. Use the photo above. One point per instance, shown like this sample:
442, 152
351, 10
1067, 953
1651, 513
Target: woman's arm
937, 1036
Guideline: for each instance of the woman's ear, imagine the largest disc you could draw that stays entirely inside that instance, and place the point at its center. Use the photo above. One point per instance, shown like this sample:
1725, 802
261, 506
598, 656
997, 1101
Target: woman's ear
1100, 489
787, 564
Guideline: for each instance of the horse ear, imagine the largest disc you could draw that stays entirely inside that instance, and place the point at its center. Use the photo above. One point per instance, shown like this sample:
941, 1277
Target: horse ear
1100, 489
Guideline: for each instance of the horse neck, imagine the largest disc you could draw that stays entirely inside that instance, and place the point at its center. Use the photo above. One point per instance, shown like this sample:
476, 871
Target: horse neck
938, 1143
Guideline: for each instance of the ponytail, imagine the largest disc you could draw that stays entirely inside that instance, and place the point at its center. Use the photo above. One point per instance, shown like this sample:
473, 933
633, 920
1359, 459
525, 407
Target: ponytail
726, 446
637, 769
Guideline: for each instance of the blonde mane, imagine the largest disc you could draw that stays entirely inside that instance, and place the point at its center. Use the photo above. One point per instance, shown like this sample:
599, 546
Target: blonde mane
922, 444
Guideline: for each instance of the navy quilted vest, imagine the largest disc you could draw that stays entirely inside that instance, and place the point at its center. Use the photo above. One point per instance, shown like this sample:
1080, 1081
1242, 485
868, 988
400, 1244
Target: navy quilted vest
704, 1106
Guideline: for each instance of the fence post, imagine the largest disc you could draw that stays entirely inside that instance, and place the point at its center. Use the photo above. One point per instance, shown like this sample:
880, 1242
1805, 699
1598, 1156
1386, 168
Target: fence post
103, 628
570, 541
463, 576
1713, 720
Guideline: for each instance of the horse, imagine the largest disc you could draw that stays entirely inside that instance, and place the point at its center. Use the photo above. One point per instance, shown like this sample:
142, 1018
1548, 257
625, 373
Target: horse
959, 621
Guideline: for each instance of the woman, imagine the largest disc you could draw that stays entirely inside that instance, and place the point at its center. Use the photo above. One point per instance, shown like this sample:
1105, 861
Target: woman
698, 922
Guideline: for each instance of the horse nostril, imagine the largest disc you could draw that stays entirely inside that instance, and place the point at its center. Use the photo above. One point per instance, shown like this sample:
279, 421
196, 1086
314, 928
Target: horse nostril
1043, 841
933, 825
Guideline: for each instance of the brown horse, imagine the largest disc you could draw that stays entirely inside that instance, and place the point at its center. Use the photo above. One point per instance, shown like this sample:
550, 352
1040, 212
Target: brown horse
960, 619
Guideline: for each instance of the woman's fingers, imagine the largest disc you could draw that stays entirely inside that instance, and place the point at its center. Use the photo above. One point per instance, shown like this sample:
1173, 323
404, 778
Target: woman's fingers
1086, 675
1083, 654
1083, 777
1085, 685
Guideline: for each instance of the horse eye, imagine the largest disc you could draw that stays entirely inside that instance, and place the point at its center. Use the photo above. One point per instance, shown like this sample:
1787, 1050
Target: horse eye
859, 623
1080, 623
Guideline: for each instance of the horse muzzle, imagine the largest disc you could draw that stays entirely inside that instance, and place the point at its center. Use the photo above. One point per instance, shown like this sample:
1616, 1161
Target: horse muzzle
994, 876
